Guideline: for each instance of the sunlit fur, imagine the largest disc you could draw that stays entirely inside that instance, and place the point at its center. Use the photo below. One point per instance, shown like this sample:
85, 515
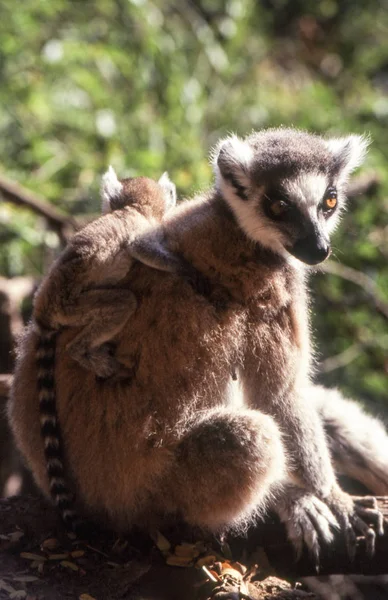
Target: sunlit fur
164, 442
82, 290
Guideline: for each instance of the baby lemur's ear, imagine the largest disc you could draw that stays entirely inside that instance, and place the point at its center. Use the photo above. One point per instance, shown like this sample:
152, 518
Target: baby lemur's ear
348, 152
232, 160
169, 190
111, 189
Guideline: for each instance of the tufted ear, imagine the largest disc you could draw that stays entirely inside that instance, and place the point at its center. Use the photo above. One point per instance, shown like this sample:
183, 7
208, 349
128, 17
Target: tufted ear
169, 190
348, 152
111, 189
232, 160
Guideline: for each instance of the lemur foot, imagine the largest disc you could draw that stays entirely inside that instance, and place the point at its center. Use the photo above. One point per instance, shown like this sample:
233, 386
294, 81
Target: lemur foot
307, 519
355, 516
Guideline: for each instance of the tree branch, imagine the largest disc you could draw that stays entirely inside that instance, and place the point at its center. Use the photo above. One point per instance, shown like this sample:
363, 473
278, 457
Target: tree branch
358, 278
13, 192
363, 184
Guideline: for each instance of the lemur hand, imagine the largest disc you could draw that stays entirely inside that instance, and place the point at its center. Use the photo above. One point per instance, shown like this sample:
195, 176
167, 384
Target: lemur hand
355, 516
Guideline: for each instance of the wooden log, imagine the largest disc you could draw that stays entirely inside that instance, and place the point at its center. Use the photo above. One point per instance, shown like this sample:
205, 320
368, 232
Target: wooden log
62, 224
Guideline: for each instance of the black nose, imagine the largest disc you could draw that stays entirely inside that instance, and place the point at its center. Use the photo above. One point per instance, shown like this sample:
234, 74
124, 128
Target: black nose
311, 250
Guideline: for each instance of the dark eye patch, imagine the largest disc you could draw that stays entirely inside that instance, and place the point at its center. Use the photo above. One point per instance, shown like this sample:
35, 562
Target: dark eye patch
278, 207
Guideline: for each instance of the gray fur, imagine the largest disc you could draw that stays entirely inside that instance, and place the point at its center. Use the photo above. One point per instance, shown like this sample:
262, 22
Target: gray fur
288, 165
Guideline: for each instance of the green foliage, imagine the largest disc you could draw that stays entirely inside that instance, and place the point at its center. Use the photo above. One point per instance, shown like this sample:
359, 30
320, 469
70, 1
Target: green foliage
149, 85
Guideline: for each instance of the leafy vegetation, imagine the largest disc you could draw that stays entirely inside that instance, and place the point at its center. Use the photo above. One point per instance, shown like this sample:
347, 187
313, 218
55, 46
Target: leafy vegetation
147, 85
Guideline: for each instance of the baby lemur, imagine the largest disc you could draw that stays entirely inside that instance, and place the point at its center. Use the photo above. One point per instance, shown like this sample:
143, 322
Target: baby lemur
82, 288
166, 441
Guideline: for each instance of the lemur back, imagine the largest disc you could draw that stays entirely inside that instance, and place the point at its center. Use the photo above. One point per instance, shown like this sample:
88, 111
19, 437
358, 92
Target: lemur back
83, 285
81, 289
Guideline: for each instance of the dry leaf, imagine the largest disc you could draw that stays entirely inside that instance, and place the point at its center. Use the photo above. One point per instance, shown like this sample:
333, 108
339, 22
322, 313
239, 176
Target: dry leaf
187, 550
161, 542
25, 578
238, 567
50, 544
77, 553
15, 536
31, 556
69, 565
86, 597
5, 586
178, 561
62, 556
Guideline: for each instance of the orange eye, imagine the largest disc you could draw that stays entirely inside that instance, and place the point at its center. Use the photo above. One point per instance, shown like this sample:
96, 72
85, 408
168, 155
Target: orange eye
330, 202
279, 207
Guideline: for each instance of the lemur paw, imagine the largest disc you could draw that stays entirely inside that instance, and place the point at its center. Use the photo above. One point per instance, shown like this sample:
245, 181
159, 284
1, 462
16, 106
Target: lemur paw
307, 519
355, 516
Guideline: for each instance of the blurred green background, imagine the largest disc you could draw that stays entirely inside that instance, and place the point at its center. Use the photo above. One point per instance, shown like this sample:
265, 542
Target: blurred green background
149, 85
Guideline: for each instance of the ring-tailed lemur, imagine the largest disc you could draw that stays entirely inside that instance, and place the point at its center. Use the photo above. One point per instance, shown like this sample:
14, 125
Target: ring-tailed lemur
277, 198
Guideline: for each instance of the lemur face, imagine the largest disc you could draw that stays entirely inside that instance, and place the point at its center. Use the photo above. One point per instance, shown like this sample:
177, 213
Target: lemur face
287, 188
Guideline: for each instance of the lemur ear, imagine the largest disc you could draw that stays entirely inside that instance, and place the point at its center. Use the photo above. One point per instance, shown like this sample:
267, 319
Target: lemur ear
111, 189
232, 160
349, 153
169, 190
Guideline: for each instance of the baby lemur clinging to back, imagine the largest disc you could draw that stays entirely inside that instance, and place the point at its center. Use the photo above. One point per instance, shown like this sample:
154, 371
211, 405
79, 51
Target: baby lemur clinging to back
82, 288
166, 441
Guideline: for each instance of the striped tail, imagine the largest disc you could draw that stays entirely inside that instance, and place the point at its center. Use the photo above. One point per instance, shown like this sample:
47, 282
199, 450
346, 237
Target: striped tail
50, 430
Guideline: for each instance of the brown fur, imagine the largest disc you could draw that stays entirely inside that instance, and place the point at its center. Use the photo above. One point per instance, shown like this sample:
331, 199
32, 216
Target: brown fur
164, 441
82, 287
122, 460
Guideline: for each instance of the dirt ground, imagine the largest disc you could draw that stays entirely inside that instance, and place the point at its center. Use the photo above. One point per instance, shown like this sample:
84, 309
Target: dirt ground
39, 561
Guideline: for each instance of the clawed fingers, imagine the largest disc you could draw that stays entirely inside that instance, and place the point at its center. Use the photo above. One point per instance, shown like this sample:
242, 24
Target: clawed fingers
355, 517
345, 525
326, 513
367, 532
295, 536
367, 501
351, 541
308, 521
371, 515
